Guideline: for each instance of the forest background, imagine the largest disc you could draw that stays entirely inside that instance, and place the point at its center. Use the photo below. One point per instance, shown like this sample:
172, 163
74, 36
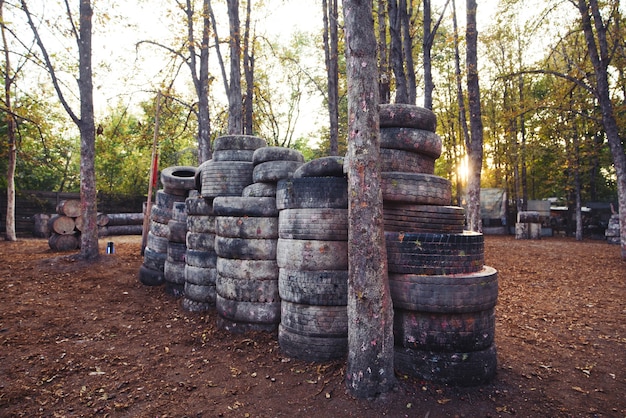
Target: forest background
543, 134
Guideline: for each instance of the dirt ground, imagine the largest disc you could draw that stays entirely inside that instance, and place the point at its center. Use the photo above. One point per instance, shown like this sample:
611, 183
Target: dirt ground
91, 340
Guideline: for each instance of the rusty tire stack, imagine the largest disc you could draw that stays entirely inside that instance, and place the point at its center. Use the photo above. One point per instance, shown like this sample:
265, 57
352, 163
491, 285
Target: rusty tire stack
444, 297
247, 296
312, 256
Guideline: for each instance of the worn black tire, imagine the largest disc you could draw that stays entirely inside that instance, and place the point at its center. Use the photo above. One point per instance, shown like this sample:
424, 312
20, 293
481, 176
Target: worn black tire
250, 312
201, 224
266, 154
417, 188
451, 332
176, 290
321, 167
195, 306
245, 206
260, 190
273, 171
225, 178
312, 255
233, 155
176, 252
150, 277
200, 293
456, 369
307, 348
407, 116
158, 244
247, 290
238, 142
314, 224
204, 276
245, 249
166, 200
528, 216
200, 258
159, 229
174, 272
400, 217
160, 214
406, 161
460, 293
154, 260
178, 178
202, 241
198, 205
312, 192
178, 231
314, 321
247, 269
414, 140
321, 288
179, 211
247, 227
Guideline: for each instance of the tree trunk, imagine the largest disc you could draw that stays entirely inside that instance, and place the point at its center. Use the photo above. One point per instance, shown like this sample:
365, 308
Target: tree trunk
331, 55
600, 61
397, 57
10, 234
235, 107
427, 45
202, 91
370, 369
248, 69
406, 11
475, 145
383, 54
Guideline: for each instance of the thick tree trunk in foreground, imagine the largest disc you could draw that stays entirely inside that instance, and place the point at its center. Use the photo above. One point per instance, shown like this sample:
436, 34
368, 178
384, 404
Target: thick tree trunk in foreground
235, 106
370, 369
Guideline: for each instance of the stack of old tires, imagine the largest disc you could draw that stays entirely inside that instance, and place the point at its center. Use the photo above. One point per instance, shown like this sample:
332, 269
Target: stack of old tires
444, 297
200, 256
246, 238
612, 230
312, 257
177, 181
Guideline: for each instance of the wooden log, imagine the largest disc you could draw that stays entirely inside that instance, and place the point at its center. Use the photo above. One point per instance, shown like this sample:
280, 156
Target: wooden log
102, 219
58, 242
69, 208
115, 219
62, 225
40, 227
120, 230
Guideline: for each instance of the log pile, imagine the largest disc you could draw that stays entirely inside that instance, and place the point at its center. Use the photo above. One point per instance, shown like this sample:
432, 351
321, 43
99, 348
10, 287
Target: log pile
63, 229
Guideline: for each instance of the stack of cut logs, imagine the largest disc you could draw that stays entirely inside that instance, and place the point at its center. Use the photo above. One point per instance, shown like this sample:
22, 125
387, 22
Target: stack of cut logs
66, 225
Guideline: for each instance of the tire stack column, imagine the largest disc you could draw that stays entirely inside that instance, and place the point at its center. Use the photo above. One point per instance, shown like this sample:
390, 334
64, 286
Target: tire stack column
312, 256
200, 257
444, 297
246, 239
177, 181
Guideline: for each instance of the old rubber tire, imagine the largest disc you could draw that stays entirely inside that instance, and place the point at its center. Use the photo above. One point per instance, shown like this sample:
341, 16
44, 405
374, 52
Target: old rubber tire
203, 241
458, 293
314, 321
414, 140
250, 312
166, 200
205, 276
154, 260
160, 214
200, 293
233, 155
225, 178
245, 249
158, 244
247, 290
312, 255
406, 161
159, 229
150, 277
174, 272
201, 223
408, 116
322, 288
266, 154
260, 190
452, 332
176, 252
312, 192
417, 188
307, 348
457, 368
314, 224
195, 306
247, 269
198, 205
321, 167
201, 258
245, 206
178, 231
247, 227
238, 142
273, 171
178, 178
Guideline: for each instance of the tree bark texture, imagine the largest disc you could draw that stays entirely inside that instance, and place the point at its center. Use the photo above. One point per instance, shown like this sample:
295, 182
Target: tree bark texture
599, 55
248, 69
331, 55
475, 145
427, 45
396, 56
406, 10
370, 370
383, 54
88, 192
235, 106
